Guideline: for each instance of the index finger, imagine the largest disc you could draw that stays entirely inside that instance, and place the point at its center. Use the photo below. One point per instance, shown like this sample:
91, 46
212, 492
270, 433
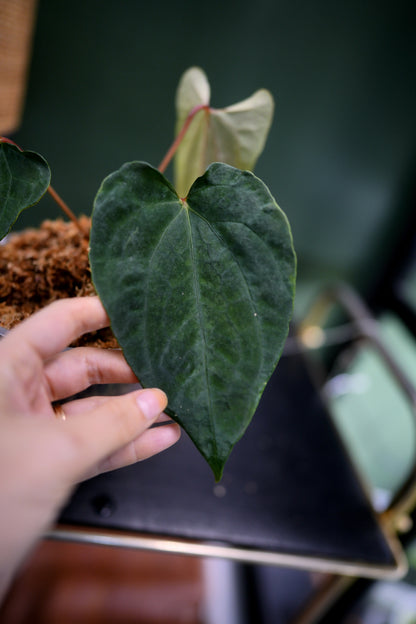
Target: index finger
53, 328
109, 426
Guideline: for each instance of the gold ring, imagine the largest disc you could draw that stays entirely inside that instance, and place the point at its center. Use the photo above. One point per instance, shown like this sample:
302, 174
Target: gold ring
59, 412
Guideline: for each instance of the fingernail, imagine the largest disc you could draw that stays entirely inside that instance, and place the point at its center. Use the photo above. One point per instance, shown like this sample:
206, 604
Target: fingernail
150, 403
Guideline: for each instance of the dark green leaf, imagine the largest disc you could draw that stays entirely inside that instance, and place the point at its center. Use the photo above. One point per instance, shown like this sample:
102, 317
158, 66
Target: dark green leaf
199, 293
24, 179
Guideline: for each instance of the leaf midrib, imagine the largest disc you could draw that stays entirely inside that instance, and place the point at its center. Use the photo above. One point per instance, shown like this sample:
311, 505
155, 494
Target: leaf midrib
146, 289
197, 291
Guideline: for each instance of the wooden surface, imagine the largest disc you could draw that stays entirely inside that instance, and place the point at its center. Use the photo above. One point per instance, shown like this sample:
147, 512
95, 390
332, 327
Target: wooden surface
67, 583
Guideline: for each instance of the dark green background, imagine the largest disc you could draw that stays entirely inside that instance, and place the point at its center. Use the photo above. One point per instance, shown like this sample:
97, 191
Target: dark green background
341, 152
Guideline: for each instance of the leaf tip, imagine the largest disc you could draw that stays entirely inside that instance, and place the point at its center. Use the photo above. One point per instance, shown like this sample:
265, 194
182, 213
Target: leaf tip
217, 466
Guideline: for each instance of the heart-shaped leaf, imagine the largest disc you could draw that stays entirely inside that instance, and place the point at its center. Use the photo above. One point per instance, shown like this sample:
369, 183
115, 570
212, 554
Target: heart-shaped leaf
235, 134
199, 292
24, 179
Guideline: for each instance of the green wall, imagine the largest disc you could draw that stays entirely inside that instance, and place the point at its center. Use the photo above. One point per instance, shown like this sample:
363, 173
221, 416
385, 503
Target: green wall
342, 146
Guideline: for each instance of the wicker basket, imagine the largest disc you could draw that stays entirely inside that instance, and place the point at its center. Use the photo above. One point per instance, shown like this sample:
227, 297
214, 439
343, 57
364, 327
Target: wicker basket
17, 19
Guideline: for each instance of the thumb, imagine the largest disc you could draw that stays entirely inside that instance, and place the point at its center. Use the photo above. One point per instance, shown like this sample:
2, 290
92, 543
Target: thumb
96, 434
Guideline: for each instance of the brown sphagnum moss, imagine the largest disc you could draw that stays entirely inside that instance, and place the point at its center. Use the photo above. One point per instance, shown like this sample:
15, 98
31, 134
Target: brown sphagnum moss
38, 266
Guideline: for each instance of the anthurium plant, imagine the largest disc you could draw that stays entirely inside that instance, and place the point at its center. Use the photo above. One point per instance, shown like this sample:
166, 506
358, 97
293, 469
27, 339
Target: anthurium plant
198, 276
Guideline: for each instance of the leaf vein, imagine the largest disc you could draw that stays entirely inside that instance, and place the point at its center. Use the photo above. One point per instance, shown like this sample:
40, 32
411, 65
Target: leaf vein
221, 240
146, 287
202, 330
243, 277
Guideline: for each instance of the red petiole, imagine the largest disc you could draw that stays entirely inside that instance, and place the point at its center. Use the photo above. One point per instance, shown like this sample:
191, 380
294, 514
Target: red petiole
171, 151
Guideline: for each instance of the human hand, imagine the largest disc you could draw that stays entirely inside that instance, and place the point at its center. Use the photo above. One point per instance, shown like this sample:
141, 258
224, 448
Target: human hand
43, 456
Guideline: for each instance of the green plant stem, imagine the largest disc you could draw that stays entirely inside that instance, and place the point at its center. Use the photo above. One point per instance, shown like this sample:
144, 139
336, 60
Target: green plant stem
171, 151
